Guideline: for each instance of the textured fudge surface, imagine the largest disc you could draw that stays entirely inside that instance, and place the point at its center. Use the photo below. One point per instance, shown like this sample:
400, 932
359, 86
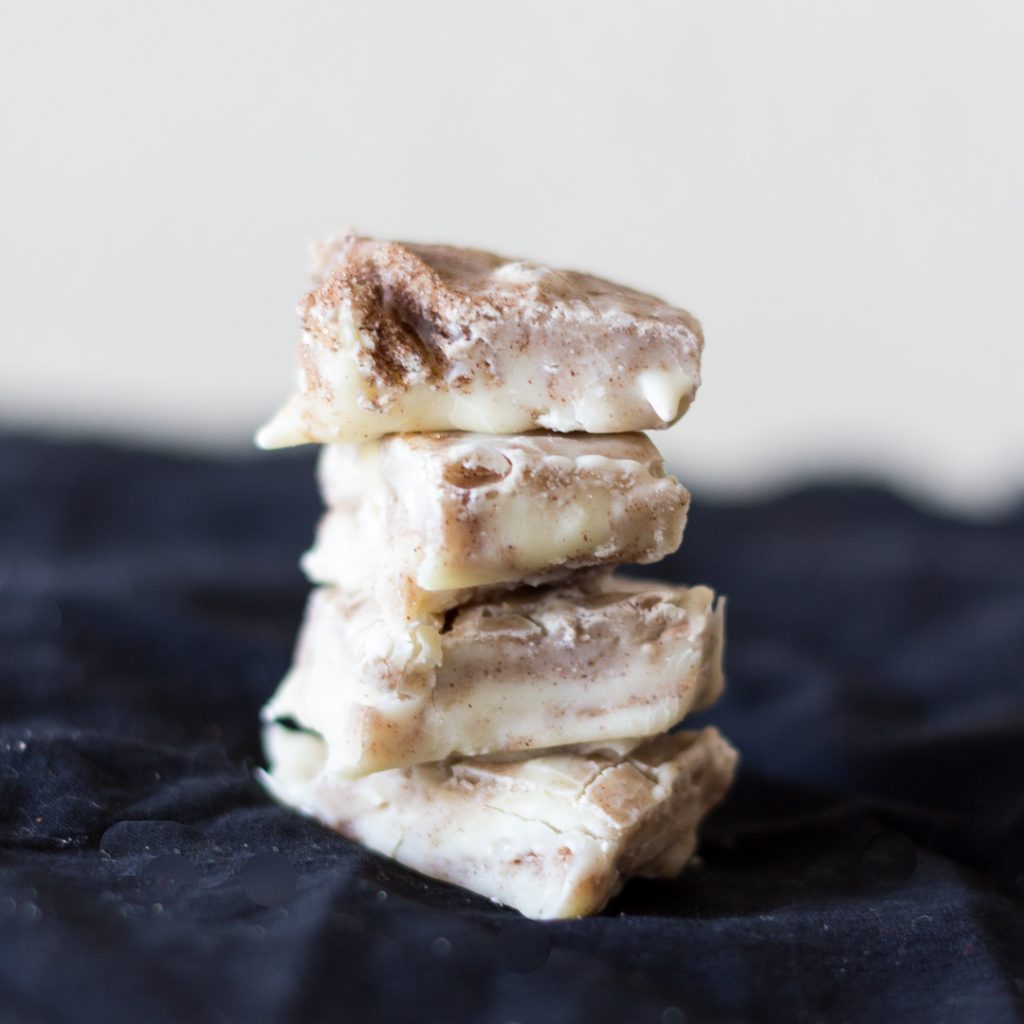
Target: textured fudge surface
553, 836
404, 337
589, 660
422, 521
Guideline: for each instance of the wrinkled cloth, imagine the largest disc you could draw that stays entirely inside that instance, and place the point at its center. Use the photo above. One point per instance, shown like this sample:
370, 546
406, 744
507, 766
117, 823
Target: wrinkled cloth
869, 864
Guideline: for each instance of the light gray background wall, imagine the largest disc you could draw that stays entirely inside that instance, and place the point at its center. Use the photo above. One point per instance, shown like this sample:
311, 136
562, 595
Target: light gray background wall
834, 188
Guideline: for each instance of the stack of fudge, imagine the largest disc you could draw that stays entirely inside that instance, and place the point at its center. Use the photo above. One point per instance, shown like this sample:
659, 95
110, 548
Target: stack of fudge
474, 693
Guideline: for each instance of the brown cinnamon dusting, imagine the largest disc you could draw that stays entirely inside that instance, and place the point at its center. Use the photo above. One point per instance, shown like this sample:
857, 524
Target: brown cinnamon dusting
423, 307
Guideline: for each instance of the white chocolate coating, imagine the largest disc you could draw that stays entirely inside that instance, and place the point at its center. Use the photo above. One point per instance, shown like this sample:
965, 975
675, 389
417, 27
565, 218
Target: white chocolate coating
553, 836
587, 661
417, 338
424, 521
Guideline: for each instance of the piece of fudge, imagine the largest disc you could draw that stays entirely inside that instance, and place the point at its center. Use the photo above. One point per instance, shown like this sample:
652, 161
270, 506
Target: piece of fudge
553, 836
422, 520
589, 660
414, 338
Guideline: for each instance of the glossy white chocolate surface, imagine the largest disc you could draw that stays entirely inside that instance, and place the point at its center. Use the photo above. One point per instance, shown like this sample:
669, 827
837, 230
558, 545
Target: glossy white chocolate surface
589, 660
553, 836
415, 338
421, 521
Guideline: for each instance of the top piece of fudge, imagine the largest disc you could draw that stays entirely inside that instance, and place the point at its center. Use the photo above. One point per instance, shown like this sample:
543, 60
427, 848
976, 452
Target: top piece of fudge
400, 337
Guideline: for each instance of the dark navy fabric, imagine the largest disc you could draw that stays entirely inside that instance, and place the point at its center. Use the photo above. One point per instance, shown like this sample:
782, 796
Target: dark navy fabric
869, 865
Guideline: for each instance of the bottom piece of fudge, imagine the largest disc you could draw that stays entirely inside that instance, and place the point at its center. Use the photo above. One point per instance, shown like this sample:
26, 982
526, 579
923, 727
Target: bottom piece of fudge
553, 836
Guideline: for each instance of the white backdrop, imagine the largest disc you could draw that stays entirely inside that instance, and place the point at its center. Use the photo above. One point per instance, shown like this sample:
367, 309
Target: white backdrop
835, 189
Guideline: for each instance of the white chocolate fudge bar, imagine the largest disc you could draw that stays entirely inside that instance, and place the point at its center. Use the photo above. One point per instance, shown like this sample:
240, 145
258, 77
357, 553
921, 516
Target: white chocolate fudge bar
420, 520
553, 836
590, 660
416, 338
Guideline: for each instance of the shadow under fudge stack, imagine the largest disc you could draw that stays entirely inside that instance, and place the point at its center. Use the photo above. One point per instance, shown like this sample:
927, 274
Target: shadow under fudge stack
474, 693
